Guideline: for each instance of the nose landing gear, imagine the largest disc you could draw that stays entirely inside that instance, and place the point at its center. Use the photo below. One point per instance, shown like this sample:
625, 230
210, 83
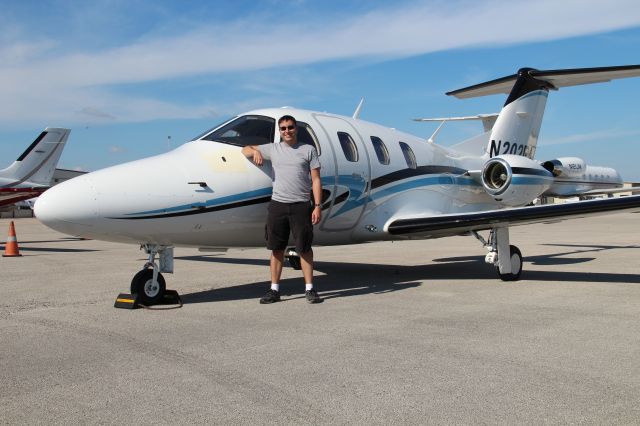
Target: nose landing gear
148, 286
150, 290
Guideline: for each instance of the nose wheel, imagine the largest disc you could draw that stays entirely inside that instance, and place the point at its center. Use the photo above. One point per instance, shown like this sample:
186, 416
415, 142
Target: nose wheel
148, 287
149, 291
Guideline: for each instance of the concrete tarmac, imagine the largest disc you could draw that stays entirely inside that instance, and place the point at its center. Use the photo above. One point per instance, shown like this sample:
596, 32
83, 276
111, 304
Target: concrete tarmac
416, 332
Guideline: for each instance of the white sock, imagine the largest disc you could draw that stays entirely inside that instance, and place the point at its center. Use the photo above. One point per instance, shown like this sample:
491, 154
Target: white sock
308, 287
275, 287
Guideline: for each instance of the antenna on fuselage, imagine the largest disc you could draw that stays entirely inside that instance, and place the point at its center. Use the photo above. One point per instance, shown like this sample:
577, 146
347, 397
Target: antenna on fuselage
356, 113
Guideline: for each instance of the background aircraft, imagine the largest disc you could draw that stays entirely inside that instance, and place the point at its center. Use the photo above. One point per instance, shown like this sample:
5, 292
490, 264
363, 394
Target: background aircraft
378, 183
31, 174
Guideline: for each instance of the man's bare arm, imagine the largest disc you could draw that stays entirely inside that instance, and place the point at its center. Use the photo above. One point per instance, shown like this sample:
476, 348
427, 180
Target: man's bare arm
316, 185
252, 151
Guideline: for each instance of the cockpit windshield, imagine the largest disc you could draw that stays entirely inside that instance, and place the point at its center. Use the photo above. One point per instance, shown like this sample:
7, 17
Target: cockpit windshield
245, 130
211, 129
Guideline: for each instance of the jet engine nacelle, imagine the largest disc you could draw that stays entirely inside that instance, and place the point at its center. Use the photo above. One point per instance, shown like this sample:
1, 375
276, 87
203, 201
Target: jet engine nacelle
566, 167
514, 180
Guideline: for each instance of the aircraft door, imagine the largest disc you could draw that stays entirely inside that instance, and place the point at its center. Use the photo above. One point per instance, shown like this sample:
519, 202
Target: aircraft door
350, 189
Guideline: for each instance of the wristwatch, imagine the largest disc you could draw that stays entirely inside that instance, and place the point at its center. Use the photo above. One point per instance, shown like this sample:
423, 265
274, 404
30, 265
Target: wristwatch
317, 205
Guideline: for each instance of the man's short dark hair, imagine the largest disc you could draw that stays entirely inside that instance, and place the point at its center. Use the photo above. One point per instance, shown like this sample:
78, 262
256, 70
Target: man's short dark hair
287, 118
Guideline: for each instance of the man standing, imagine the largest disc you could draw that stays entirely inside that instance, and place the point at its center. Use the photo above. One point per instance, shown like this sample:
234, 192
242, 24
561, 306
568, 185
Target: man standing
296, 170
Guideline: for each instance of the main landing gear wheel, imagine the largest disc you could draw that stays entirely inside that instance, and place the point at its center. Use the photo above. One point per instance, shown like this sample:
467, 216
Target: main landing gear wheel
516, 265
148, 291
294, 262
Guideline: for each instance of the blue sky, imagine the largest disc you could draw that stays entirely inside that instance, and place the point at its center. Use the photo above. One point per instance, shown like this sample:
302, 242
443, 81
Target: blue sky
135, 78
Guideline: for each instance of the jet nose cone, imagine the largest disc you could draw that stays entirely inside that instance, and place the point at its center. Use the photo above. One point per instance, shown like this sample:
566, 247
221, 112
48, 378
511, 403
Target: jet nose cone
47, 206
68, 207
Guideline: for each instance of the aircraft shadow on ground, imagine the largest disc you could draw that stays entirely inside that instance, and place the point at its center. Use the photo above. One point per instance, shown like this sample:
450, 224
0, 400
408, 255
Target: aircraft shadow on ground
558, 259
353, 279
553, 258
60, 240
338, 280
24, 246
54, 250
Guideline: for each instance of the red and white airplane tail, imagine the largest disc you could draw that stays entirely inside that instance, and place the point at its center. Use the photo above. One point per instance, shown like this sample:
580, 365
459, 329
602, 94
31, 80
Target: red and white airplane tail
37, 163
32, 172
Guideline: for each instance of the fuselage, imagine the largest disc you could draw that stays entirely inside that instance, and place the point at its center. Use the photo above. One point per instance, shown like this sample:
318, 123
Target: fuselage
206, 193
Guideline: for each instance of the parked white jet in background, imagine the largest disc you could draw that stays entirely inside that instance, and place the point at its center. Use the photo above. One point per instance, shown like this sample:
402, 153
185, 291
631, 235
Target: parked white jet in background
378, 183
31, 174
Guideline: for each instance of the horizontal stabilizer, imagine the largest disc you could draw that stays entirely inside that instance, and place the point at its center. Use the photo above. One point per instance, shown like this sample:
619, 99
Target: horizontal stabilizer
470, 117
488, 120
555, 79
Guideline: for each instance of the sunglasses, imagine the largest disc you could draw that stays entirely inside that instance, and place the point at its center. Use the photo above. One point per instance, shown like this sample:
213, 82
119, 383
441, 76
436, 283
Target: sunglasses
283, 128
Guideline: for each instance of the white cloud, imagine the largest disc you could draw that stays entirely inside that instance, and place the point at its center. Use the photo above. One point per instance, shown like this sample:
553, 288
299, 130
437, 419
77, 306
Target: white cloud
22, 52
604, 136
114, 149
96, 113
38, 79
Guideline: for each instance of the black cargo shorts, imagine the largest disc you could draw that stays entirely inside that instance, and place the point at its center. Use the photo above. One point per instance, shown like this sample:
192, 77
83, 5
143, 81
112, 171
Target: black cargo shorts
285, 218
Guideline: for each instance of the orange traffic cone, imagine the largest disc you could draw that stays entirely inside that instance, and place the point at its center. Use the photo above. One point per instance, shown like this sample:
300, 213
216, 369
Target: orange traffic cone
11, 249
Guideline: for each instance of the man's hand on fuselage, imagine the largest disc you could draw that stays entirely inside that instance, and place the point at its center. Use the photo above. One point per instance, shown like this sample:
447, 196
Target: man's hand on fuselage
252, 151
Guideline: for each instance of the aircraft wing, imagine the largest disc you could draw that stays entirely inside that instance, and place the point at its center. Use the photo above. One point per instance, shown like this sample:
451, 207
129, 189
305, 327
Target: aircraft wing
10, 196
461, 223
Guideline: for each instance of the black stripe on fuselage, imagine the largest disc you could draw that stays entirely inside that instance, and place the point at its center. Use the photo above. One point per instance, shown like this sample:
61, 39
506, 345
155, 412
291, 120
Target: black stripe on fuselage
377, 182
530, 171
342, 197
200, 210
419, 171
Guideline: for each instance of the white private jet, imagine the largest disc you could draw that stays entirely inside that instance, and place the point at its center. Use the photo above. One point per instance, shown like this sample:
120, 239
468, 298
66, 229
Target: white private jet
378, 183
31, 174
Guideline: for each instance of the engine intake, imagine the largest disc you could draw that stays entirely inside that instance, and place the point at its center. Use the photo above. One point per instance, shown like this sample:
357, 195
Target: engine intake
496, 176
566, 167
514, 180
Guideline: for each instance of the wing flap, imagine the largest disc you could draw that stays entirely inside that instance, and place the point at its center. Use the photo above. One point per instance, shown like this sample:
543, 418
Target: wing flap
456, 224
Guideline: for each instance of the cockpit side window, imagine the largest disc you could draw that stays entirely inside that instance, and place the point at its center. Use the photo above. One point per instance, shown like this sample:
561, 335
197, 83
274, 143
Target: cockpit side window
307, 136
245, 130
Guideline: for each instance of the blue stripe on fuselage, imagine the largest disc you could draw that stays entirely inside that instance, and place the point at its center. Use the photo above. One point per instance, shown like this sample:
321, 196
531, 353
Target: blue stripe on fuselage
209, 203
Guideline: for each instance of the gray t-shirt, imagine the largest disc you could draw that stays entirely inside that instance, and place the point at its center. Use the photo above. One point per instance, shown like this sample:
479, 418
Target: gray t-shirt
291, 166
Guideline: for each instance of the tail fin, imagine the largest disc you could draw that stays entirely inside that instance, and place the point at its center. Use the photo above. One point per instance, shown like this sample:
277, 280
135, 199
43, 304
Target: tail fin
37, 163
517, 128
